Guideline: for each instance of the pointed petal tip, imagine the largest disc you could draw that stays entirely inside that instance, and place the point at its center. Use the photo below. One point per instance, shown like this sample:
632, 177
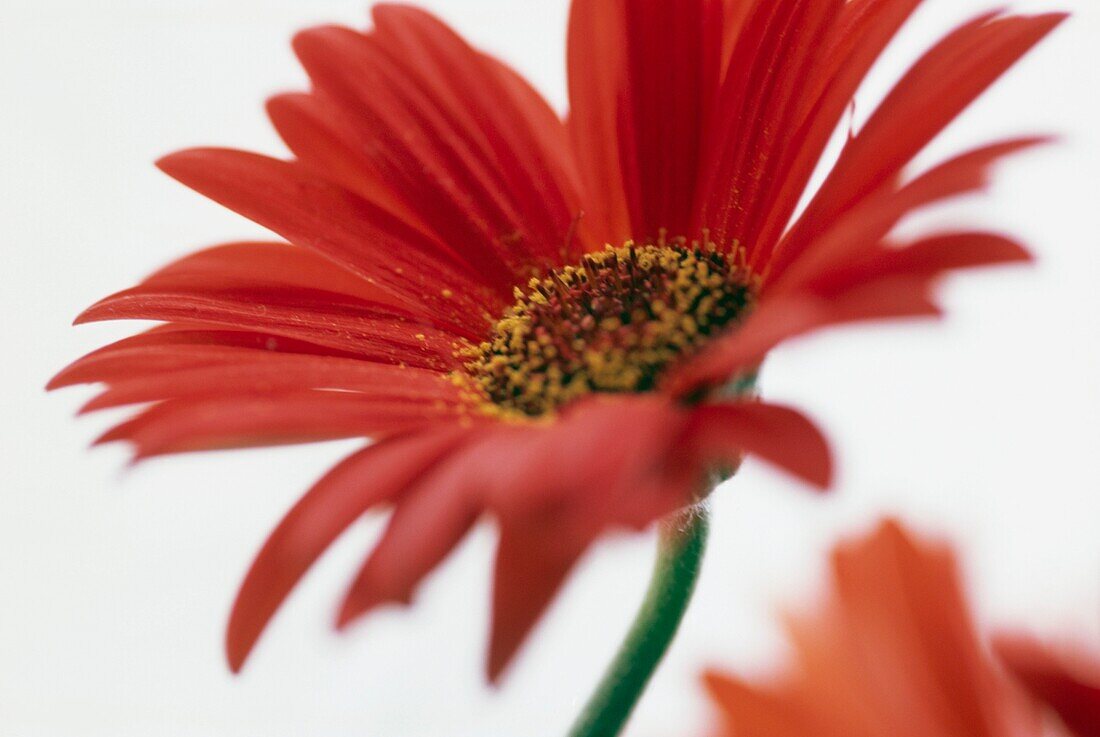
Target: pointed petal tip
280, 104
235, 654
819, 470
713, 680
496, 664
350, 612
362, 600
114, 435
309, 40
1054, 19
87, 316
58, 380
88, 407
824, 477
178, 162
241, 632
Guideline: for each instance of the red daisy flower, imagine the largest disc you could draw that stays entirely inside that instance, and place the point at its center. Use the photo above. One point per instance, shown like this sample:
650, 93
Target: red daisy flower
894, 652
554, 323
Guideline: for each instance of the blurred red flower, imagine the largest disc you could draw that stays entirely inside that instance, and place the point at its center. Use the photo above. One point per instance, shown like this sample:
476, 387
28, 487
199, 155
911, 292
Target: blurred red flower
1068, 683
446, 286
894, 652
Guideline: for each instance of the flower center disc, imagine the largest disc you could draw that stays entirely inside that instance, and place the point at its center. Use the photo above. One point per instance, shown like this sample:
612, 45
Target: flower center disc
609, 324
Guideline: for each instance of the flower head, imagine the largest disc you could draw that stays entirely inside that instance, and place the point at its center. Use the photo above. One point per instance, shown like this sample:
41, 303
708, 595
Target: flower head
894, 652
557, 323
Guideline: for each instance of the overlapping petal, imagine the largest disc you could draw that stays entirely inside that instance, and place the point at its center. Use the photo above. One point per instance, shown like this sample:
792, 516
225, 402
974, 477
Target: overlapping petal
853, 272
1066, 681
536, 480
379, 474
892, 651
942, 84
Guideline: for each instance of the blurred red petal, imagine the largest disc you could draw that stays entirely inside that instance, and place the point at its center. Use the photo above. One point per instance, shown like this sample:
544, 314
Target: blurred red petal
791, 315
779, 435
273, 373
891, 652
279, 418
372, 476
531, 567
1068, 683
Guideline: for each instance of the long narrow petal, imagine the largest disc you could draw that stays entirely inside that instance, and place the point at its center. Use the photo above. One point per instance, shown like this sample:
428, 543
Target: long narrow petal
426, 525
376, 475
857, 39
290, 417
942, 84
867, 223
317, 317
597, 75
159, 350
926, 258
530, 568
258, 262
319, 137
641, 77
314, 213
407, 88
258, 266
772, 64
499, 116
789, 316
272, 373
754, 712
780, 435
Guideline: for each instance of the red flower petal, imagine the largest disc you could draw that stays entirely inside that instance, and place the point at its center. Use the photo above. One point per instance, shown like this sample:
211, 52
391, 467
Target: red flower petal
173, 349
431, 519
531, 566
776, 54
669, 63
619, 445
893, 652
428, 146
857, 39
779, 435
279, 418
935, 91
316, 134
501, 117
791, 315
249, 264
274, 373
376, 475
323, 318
927, 259
871, 220
314, 213
1070, 684
597, 59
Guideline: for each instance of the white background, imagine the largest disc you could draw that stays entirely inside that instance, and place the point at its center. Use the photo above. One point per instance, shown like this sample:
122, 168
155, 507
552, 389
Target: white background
115, 585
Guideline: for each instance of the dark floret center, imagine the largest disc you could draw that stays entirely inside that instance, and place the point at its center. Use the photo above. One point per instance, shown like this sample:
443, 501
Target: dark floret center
612, 323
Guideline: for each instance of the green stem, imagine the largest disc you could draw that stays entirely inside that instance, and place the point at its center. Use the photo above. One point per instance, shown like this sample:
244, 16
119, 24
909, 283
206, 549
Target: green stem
679, 558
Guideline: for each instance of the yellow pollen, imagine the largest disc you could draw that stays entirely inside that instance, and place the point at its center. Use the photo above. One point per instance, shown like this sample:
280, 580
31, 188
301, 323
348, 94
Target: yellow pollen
612, 323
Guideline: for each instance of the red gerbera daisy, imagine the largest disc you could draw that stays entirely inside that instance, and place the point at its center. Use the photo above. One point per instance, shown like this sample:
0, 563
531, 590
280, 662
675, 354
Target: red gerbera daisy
894, 653
554, 323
